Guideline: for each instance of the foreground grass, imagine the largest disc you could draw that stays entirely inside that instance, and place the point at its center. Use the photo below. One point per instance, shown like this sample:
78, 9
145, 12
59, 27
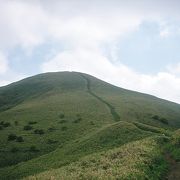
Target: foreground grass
141, 159
106, 138
173, 147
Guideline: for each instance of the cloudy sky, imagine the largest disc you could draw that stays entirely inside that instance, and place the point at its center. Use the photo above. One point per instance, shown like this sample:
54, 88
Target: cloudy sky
132, 44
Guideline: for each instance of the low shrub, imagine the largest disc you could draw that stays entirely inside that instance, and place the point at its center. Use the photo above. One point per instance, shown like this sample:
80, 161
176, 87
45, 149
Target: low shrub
91, 123
5, 124
51, 129
28, 127
16, 123
32, 122
19, 139
156, 117
14, 150
12, 137
77, 120
39, 131
2, 122
61, 116
62, 121
64, 128
33, 149
164, 120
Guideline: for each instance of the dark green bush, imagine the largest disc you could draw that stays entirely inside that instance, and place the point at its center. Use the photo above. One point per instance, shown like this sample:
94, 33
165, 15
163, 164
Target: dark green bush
32, 122
77, 120
1, 127
51, 129
164, 120
39, 131
92, 123
14, 150
5, 124
156, 117
12, 137
33, 149
16, 123
2, 122
19, 139
64, 128
61, 115
28, 127
62, 121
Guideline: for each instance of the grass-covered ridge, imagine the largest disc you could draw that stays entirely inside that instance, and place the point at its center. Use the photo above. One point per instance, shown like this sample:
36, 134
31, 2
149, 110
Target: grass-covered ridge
138, 160
53, 119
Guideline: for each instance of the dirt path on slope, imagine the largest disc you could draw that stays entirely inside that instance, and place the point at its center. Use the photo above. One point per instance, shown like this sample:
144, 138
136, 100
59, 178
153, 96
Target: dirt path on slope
174, 171
115, 115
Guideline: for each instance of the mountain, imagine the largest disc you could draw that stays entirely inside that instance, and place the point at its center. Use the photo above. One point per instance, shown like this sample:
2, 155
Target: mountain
59, 120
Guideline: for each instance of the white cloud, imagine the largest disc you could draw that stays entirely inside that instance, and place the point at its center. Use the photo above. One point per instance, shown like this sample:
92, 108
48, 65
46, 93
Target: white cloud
83, 27
174, 69
3, 63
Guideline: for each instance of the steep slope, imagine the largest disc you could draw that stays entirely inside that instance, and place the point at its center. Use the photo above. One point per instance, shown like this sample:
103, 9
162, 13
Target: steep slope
43, 116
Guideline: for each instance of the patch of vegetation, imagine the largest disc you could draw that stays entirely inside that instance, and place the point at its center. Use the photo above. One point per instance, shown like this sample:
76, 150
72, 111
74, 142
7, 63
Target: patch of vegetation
32, 122
61, 116
64, 128
62, 121
28, 127
16, 123
12, 137
39, 131
161, 119
173, 147
51, 141
77, 120
51, 129
14, 150
153, 129
19, 139
33, 149
138, 160
4, 124
91, 123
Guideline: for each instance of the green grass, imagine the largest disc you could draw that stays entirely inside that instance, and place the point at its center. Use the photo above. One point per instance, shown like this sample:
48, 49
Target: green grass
138, 160
173, 147
73, 115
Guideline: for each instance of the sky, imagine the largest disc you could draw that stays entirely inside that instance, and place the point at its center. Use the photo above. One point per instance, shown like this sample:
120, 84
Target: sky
131, 44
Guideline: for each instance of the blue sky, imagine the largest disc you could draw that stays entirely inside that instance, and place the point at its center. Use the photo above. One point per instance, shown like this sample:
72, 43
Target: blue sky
132, 44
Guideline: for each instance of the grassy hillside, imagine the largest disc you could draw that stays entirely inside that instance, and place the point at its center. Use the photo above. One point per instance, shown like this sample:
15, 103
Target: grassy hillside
50, 120
138, 160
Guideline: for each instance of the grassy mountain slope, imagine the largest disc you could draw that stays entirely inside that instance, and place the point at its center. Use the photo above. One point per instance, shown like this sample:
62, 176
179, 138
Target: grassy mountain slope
52, 119
138, 160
